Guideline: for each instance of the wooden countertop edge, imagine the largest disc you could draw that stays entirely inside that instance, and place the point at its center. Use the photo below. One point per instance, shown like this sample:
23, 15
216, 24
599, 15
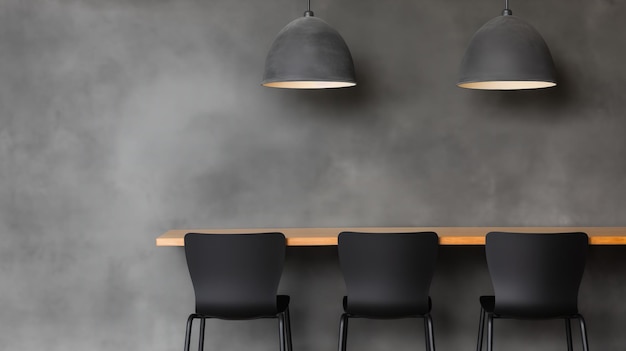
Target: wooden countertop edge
447, 235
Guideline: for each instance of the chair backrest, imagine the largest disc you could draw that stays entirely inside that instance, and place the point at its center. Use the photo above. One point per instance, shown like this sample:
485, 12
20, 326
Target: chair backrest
536, 275
235, 276
388, 274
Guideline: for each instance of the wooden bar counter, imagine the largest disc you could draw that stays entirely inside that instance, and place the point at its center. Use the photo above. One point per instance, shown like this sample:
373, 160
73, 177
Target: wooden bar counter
447, 235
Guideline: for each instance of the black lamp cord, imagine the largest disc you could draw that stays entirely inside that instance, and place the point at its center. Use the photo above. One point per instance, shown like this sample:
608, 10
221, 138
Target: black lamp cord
507, 11
309, 13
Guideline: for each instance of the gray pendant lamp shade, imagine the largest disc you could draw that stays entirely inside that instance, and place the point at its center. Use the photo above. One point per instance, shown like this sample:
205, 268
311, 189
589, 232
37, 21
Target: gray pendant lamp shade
309, 54
507, 54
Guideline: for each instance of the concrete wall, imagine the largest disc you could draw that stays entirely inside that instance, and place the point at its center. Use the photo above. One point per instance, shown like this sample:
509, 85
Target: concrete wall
120, 119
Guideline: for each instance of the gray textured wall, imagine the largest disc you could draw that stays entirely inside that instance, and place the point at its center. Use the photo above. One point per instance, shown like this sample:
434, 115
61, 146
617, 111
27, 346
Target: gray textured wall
120, 119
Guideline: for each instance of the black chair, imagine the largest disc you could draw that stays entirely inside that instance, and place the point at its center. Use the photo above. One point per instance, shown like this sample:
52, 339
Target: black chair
534, 276
387, 276
236, 277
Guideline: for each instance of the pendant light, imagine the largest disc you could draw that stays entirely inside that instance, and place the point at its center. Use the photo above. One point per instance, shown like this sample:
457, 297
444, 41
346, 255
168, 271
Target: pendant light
309, 54
507, 54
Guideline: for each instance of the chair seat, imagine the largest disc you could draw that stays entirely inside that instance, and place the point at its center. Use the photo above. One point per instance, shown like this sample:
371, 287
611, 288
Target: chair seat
282, 302
384, 312
243, 313
488, 303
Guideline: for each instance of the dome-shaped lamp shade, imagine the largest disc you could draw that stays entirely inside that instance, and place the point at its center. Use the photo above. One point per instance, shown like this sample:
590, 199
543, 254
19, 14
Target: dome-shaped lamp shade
507, 54
309, 54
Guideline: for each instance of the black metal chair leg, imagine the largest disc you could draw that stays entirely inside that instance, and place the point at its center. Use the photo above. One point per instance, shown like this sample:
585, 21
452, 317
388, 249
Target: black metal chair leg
343, 332
201, 338
188, 332
431, 333
289, 346
426, 341
481, 330
568, 331
583, 332
281, 331
490, 332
